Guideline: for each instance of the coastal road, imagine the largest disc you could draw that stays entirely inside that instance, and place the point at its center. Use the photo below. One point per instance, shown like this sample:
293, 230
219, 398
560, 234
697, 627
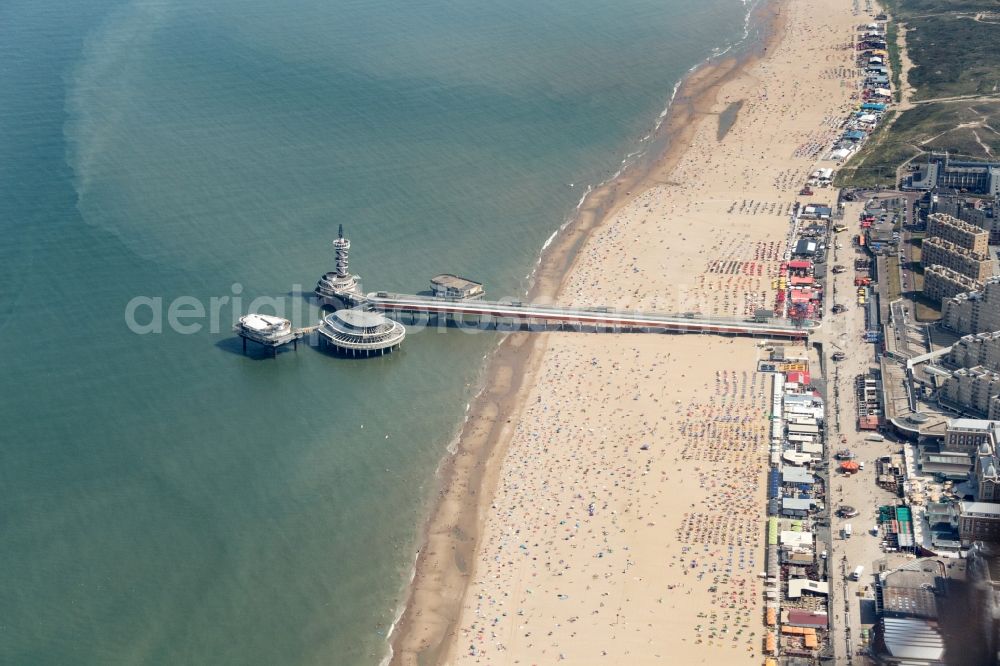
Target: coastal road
852, 602
959, 98
843, 332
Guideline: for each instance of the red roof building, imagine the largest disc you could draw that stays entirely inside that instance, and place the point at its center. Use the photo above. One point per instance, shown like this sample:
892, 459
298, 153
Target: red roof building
802, 618
798, 377
869, 422
799, 296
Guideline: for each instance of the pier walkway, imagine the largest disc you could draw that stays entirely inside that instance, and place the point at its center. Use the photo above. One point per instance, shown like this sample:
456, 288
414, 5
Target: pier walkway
498, 315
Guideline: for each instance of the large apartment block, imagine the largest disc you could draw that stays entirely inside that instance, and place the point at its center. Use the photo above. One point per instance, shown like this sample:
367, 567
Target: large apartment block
962, 234
972, 389
945, 253
985, 217
979, 349
974, 311
941, 283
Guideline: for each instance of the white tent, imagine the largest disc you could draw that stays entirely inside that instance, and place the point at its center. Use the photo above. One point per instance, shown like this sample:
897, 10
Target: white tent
795, 539
796, 458
797, 585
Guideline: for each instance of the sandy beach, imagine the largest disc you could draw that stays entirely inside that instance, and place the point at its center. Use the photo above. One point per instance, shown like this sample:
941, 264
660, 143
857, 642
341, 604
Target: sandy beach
606, 503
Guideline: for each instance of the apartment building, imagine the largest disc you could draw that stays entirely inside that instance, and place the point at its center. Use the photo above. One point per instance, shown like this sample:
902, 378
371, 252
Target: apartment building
985, 215
972, 389
980, 349
941, 252
963, 234
942, 283
975, 311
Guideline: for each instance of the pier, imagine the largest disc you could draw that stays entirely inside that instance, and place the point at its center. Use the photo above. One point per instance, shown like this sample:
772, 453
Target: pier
458, 302
515, 316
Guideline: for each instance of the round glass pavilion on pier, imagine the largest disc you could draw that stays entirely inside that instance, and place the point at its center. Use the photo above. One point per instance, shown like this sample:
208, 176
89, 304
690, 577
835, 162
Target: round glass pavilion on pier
359, 333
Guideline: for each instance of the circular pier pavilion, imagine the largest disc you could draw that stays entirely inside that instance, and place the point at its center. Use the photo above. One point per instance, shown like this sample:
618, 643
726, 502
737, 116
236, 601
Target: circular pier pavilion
360, 334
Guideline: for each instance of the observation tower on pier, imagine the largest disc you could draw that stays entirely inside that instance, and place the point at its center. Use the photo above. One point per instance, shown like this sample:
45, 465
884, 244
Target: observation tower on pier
339, 288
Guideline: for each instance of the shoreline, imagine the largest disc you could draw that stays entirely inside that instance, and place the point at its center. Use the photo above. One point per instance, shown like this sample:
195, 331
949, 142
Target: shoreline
468, 477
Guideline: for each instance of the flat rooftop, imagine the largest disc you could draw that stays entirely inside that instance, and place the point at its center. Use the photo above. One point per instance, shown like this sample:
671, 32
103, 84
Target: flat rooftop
454, 281
260, 322
359, 319
969, 424
919, 602
983, 509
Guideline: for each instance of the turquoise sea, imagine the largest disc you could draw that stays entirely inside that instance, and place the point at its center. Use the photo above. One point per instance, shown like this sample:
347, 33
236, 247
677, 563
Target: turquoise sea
165, 500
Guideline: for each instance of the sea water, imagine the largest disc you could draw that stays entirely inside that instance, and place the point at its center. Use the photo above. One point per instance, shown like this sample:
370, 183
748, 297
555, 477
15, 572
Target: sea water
165, 499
